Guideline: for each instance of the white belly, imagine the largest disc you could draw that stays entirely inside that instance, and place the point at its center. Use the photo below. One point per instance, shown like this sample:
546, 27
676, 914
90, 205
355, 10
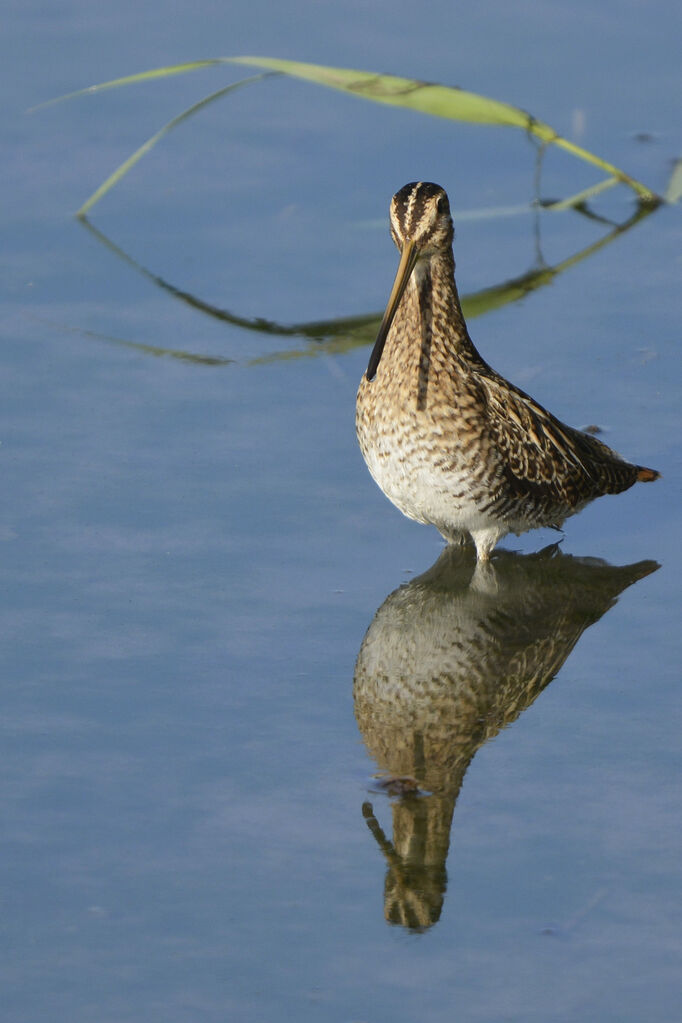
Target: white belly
424, 480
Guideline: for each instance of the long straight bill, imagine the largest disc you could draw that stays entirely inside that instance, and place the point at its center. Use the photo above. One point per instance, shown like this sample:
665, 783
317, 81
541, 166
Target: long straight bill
408, 258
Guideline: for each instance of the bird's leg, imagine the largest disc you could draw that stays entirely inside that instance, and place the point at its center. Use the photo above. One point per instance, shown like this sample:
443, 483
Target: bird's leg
485, 540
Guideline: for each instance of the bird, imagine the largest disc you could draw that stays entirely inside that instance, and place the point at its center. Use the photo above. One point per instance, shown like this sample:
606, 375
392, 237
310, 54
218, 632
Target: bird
450, 441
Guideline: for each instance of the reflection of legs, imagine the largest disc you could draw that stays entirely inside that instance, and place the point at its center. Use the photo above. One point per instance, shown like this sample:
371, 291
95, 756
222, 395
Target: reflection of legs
484, 580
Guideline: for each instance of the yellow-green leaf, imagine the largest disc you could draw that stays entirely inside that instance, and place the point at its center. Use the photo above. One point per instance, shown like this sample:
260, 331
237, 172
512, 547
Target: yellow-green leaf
423, 97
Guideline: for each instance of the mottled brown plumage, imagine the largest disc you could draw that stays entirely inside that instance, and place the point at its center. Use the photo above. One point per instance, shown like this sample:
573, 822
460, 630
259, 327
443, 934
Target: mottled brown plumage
449, 440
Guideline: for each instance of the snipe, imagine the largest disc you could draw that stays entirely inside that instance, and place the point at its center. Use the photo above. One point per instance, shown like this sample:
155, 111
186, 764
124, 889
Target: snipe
450, 441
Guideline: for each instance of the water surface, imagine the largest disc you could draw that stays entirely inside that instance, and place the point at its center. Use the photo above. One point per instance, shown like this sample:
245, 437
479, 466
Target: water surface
196, 564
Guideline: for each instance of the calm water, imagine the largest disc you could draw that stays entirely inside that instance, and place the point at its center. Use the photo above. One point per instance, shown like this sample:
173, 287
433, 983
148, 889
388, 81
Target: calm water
210, 666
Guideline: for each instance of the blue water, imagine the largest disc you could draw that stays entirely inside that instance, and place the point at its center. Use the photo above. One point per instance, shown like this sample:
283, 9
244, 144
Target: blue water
193, 550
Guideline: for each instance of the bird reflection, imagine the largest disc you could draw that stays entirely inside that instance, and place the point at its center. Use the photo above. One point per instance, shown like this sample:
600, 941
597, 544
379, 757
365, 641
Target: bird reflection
449, 660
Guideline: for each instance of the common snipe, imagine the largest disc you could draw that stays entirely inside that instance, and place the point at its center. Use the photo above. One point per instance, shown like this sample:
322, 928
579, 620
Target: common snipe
450, 441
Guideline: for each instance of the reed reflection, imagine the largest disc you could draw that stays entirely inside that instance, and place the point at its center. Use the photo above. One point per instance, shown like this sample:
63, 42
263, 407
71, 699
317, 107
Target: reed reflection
337, 336
449, 660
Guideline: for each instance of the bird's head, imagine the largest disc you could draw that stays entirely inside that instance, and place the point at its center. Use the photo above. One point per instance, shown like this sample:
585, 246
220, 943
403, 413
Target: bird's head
421, 227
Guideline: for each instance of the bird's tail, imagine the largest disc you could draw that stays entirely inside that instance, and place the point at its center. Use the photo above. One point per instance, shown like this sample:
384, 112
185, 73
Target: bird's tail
647, 475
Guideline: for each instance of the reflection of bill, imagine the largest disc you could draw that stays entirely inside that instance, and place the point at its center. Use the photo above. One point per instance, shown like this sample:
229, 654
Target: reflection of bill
448, 661
346, 333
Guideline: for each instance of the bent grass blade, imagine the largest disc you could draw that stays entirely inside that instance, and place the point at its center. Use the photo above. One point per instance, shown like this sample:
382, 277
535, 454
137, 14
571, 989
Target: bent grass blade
141, 76
128, 164
423, 97
440, 101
